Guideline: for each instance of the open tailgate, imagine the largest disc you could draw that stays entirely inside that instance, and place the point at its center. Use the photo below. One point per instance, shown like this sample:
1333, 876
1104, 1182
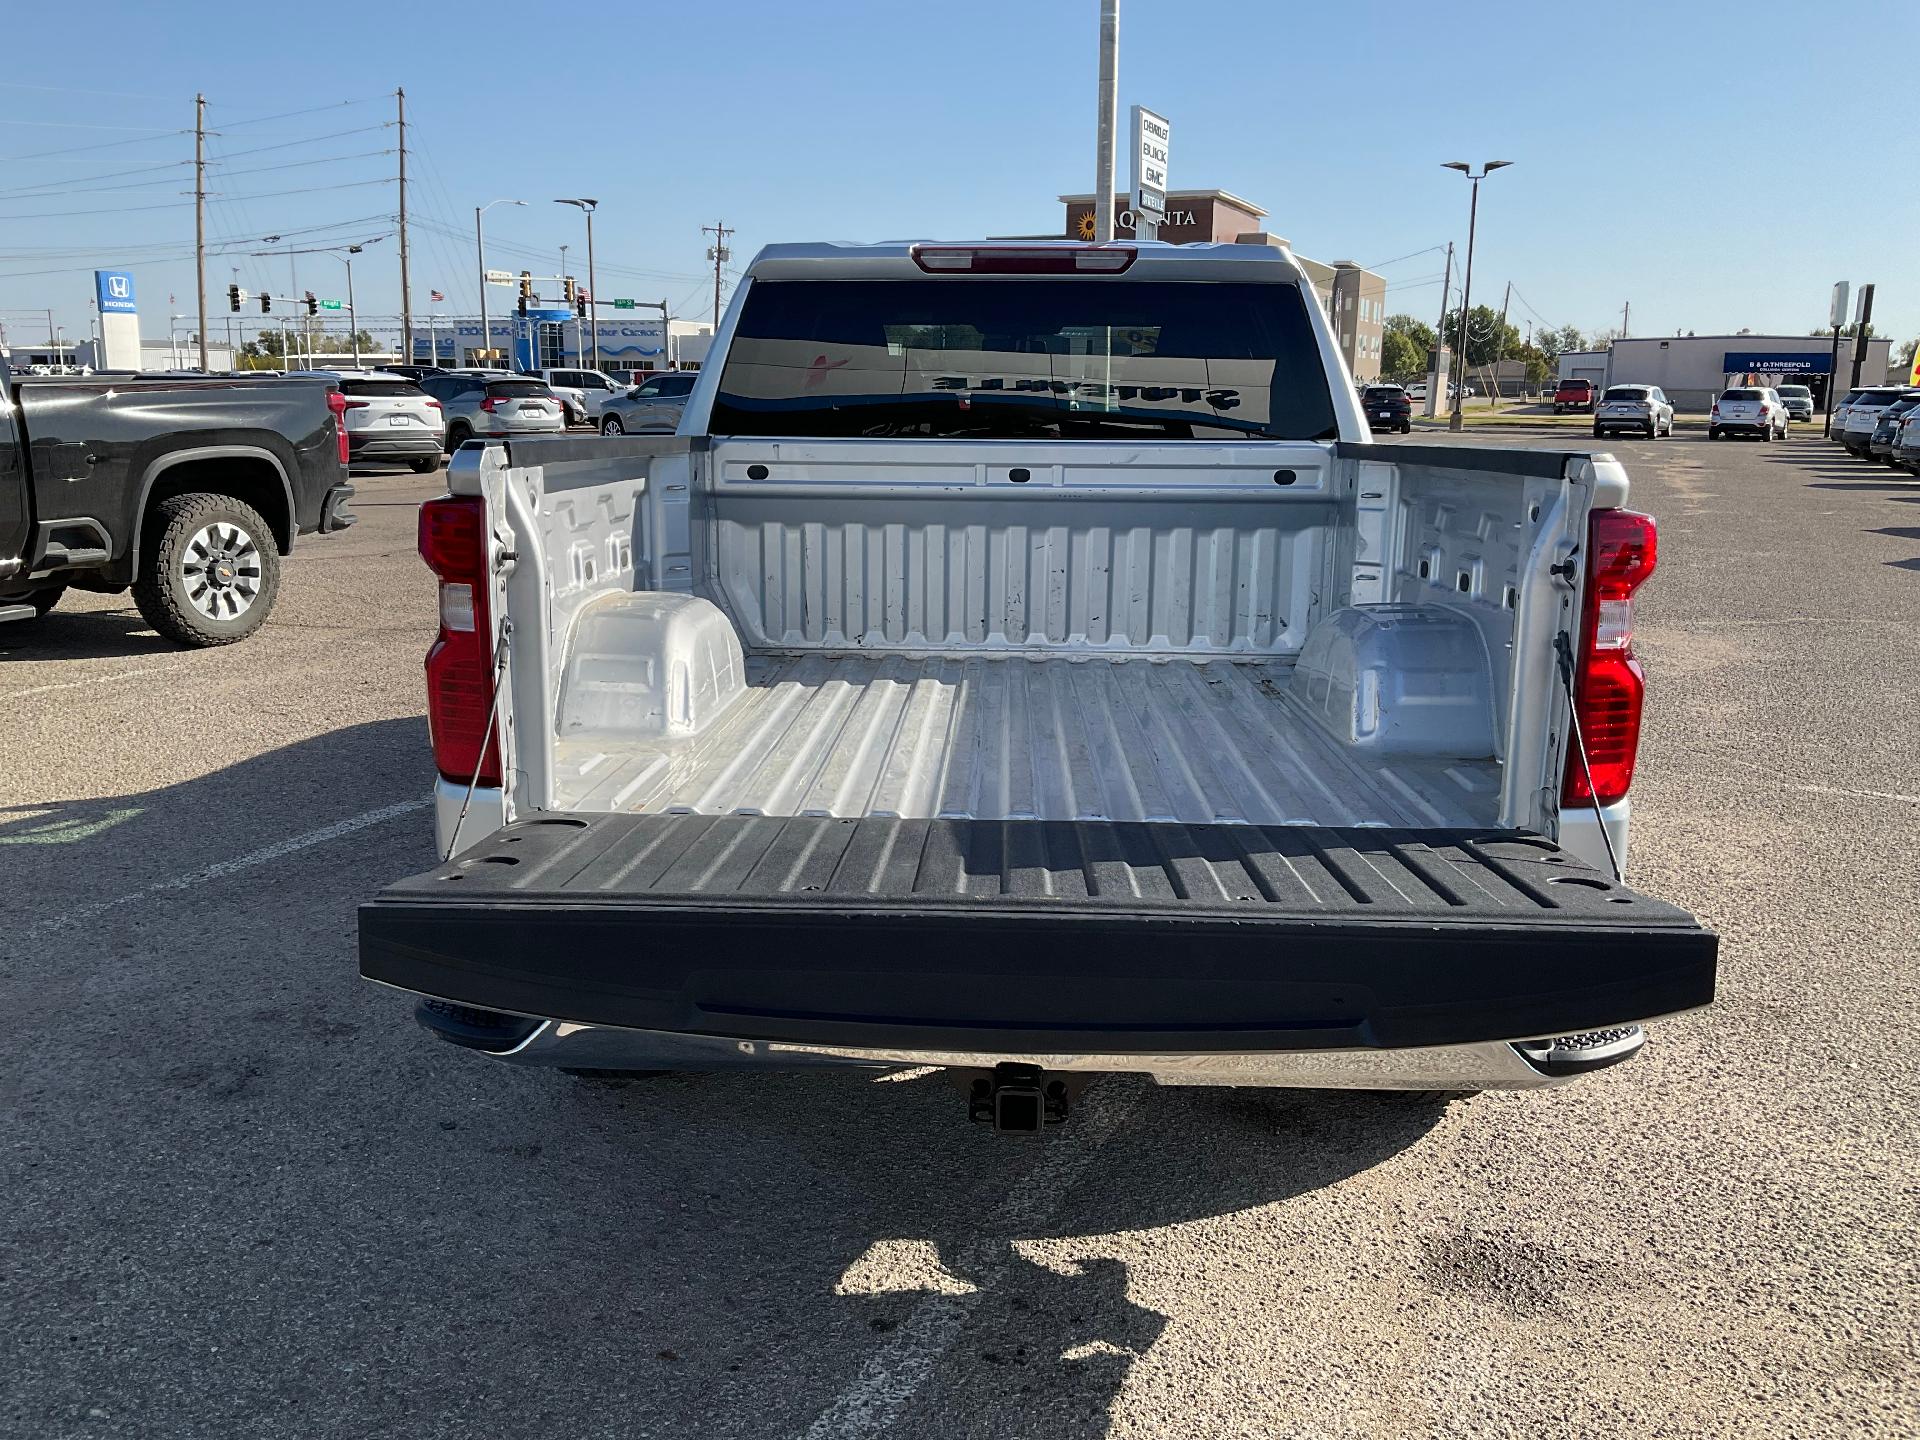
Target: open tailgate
1026, 935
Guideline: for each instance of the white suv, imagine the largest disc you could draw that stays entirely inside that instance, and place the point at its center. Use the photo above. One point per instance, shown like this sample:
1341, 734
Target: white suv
1856, 430
585, 392
1633, 407
1748, 410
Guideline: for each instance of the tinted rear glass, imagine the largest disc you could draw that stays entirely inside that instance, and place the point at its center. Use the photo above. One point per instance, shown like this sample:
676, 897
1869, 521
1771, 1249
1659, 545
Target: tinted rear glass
1576, 384
1750, 393
354, 385
1008, 359
1878, 397
518, 389
1626, 392
1381, 395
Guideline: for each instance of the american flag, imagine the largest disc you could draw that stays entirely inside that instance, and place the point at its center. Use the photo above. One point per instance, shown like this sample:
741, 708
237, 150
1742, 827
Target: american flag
436, 295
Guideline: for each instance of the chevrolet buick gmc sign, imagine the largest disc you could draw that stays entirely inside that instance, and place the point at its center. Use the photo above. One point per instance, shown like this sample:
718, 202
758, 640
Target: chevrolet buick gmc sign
1768, 362
114, 291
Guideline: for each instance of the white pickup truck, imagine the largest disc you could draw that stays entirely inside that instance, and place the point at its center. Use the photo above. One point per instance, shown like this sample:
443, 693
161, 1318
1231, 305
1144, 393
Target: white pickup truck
1023, 662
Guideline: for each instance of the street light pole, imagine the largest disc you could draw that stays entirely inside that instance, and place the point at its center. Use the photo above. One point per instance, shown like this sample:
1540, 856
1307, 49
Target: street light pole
480, 246
587, 206
1454, 421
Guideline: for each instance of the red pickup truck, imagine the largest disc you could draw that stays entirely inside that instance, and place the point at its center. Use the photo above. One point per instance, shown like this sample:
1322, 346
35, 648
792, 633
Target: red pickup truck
1575, 396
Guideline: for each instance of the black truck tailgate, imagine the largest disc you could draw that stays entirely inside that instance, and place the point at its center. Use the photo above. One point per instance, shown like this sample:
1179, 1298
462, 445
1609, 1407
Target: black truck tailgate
1025, 935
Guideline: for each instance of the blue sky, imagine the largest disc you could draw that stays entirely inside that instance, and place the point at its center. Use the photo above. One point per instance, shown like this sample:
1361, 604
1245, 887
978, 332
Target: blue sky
1678, 156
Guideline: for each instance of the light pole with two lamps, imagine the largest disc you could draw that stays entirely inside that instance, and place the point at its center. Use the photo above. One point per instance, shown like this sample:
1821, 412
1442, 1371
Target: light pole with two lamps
1466, 286
480, 245
353, 315
593, 291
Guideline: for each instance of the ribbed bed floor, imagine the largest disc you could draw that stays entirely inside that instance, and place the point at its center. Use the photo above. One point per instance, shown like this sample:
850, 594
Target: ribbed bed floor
1018, 738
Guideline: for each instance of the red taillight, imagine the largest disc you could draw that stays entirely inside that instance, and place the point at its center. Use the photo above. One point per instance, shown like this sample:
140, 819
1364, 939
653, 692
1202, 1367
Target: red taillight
486, 404
356, 405
453, 542
434, 405
1609, 685
1014, 260
337, 403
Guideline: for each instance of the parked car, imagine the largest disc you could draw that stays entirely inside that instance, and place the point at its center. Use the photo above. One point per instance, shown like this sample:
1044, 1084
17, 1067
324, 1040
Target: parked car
1633, 407
414, 372
1748, 410
1798, 399
584, 391
388, 418
1388, 408
185, 491
1906, 442
1886, 428
837, 786
1837, 421
491, 406
1574, 396
651, 408
1856, 432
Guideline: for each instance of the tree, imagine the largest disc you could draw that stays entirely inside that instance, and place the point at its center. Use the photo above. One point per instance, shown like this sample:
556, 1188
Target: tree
1418, 332
1486, 340
1400, 357
1903, 358
1539, 364
1553, 343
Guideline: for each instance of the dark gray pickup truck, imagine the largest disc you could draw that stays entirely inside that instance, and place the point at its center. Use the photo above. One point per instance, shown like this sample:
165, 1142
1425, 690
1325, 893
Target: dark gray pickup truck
185, 490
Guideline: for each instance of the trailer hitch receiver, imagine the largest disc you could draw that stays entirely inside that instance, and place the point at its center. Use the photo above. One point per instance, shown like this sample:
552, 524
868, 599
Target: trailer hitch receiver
1017, 1099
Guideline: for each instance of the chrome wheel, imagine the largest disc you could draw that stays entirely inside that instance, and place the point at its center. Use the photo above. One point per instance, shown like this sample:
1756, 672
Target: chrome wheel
220, 568
612, 426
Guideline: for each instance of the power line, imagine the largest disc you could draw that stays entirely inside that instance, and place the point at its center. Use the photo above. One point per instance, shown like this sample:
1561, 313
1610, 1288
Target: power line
1430, 250
177, 204
74, 90
76, 149
292, 114
309, 140
76, 125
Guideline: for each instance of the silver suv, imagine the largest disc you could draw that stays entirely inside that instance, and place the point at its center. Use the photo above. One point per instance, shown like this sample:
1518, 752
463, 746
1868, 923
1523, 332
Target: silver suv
493, 407
651, 408
1798, 399
584, 392
1633, 407
388, 418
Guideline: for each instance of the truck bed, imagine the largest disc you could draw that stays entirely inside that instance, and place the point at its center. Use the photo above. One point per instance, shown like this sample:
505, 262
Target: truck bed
1024, 738
1015, 936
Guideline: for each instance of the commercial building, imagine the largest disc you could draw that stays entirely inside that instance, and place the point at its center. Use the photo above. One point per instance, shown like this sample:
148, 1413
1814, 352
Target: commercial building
553, 339
1693, 369
1354, 297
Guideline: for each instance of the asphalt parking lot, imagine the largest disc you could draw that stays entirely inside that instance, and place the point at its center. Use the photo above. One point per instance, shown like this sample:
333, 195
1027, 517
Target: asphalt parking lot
245, 1196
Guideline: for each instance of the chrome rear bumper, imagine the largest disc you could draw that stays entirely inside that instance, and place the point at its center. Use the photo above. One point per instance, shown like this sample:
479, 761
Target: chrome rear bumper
1490, 1065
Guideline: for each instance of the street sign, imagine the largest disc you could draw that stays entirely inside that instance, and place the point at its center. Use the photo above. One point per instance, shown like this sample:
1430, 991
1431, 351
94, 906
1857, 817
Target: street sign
1151, 135
1837, 315
623, 304
500, 277
332, 304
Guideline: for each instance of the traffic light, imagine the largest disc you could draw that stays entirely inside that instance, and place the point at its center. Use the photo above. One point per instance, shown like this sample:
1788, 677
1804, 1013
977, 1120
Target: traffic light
313, 303
266, 303
526, 290
233, 297
582, 302
566, 288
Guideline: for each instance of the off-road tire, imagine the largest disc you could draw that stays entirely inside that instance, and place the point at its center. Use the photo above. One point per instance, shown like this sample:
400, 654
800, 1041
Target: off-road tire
161, 591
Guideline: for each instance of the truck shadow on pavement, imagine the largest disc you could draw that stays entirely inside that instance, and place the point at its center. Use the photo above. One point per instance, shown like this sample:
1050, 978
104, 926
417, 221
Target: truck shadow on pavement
64, 633
249, 1197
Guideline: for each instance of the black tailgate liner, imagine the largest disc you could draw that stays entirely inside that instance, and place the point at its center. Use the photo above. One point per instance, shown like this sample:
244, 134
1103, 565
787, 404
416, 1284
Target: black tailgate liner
1028, 935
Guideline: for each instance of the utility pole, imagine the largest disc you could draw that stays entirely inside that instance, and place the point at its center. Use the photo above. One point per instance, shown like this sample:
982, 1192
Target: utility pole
1500, 348
1626, 314
200, 216
1440, 340
719, 254
406, 286
1108, 124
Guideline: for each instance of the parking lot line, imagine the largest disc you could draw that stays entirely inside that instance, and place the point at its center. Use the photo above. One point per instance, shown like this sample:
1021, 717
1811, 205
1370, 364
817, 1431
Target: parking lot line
889, 1380
90, 680
220, 869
